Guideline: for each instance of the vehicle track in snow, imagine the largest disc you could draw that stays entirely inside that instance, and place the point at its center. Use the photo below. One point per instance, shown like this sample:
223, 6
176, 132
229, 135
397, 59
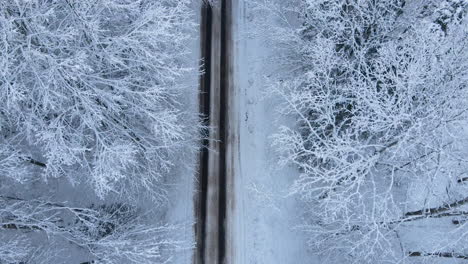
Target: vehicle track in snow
233, 225
210, 201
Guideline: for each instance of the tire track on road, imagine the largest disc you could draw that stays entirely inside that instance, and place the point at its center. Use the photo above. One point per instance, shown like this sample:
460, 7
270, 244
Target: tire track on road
210, 203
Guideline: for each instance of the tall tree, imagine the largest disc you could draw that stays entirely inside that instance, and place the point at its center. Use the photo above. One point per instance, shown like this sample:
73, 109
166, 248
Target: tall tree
379, 96
91, 90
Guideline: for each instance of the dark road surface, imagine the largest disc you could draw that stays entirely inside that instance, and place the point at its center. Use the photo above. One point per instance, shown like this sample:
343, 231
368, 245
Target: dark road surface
210, 203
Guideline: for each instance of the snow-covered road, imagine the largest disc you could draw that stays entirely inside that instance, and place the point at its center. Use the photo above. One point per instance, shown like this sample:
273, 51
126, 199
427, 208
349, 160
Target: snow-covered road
210, 201
248, 220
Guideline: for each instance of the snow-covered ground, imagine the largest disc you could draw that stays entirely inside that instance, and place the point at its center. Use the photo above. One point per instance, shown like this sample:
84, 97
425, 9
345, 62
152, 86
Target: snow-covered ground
261, 219
180, 207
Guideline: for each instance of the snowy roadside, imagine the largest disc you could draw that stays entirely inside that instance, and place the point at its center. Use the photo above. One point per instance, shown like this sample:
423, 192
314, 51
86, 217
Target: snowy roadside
261, 218
183, 187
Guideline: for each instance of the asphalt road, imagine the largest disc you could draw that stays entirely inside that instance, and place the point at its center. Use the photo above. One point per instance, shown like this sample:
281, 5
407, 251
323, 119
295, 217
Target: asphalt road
215, 83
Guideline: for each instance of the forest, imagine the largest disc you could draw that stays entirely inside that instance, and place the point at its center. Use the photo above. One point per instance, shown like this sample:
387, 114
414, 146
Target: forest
342, 132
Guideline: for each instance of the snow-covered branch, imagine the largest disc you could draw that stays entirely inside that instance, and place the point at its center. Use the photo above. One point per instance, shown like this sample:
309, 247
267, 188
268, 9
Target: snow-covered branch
93, 87
113, 233
378, 91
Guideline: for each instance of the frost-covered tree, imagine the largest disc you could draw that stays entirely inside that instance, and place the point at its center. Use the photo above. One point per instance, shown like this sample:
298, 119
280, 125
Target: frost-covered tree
19, 249
90, 91
115, 233
378, 90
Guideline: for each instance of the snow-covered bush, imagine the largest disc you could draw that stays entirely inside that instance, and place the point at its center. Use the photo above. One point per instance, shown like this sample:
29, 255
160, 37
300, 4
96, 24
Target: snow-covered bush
115, 233
90, 90
380, 99
20, 249
13, 249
